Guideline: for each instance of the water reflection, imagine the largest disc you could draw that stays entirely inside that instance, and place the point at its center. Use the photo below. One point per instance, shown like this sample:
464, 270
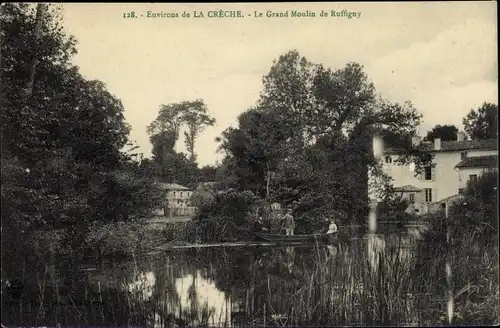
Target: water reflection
143, 285
359, 281
202, 296
332, 250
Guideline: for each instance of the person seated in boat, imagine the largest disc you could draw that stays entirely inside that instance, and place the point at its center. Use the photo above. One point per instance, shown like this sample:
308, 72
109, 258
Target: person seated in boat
289, 223
332, 228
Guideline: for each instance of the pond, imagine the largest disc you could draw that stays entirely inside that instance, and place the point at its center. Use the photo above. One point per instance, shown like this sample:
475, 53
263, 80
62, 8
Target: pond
360, 280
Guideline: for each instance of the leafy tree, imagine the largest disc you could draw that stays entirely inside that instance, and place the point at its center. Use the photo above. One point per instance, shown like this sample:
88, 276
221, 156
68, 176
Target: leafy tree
482, 123
478, 211
163, 144
255, 149
202, 195
62, 161
171, 118
226, 216
396, 140
287, 93
181, 170
167, 164
310, 136
196, 119
208, 173
445, 132
164, 131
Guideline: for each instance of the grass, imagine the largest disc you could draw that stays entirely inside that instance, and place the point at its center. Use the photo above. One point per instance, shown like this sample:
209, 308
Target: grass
358, 286
363, 282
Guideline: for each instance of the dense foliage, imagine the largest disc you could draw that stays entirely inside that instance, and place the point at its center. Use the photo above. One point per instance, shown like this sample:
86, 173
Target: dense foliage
308, 141
226, 216
63, 160
445, 132
482, 123
468, 241
167, 164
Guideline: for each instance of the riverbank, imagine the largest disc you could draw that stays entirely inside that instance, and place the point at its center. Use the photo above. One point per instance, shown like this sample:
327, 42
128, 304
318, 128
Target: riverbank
350, 232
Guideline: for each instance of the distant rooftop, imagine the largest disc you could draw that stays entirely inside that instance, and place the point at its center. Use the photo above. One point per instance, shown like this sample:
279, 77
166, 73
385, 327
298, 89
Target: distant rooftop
451, 198
172, 186
448, 146
479, 161
407, 188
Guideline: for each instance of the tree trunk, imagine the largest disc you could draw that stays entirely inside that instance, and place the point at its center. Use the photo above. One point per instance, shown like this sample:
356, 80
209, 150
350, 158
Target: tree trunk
40, 11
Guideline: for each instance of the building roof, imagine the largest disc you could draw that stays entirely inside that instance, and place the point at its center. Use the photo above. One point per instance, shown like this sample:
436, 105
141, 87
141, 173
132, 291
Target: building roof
449, 146
451, 198
479, 161
407, 188
172, 186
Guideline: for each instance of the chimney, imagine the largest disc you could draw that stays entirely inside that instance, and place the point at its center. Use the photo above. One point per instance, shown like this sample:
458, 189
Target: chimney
460, 136
437, 143
415, 140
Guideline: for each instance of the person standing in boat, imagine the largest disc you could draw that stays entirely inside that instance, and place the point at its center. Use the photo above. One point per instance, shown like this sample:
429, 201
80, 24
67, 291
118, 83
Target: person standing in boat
289, 223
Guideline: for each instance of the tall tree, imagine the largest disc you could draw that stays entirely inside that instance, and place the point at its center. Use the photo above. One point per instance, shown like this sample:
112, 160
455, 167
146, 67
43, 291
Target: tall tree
193, 115
287, 93
308, 112
445, 132
482, 123
196, 119
62, 158
163, 144
170, 118
256, 148
40, 12
169, 165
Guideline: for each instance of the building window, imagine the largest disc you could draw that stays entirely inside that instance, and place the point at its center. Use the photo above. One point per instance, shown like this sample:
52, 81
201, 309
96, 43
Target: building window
175, 194
417, 210
463, 155
388, 159
428, 173
428, 195
473, 178
412, 198
443, 206
182, 194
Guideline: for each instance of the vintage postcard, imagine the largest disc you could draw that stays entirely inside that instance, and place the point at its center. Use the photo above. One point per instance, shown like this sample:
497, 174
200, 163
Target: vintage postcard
249, 164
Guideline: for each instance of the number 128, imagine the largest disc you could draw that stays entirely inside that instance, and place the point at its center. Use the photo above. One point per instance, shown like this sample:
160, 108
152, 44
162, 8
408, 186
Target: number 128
129, 15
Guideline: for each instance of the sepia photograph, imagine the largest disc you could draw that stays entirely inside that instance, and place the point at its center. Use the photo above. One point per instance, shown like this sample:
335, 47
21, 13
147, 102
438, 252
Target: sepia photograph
327, 164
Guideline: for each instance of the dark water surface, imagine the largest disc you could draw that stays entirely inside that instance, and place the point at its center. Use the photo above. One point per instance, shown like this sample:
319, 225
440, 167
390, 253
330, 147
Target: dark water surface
362, 280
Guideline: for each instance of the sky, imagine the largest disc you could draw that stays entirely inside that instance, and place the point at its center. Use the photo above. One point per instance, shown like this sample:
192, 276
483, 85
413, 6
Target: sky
441, 56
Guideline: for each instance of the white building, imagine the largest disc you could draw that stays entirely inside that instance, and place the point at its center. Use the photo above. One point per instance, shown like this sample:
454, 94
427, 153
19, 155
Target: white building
473, 167
178, 200
456, 163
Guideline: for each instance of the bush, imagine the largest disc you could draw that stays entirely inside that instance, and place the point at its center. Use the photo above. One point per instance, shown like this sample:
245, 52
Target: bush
467, 240
120, 239
394, 210
312, 221
228, 216
477, 214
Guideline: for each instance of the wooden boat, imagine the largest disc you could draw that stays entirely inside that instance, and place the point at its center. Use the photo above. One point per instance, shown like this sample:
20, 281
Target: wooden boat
320, 237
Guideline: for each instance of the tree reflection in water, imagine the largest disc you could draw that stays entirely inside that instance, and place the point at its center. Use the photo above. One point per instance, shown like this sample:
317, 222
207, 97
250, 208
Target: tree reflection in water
361, 281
